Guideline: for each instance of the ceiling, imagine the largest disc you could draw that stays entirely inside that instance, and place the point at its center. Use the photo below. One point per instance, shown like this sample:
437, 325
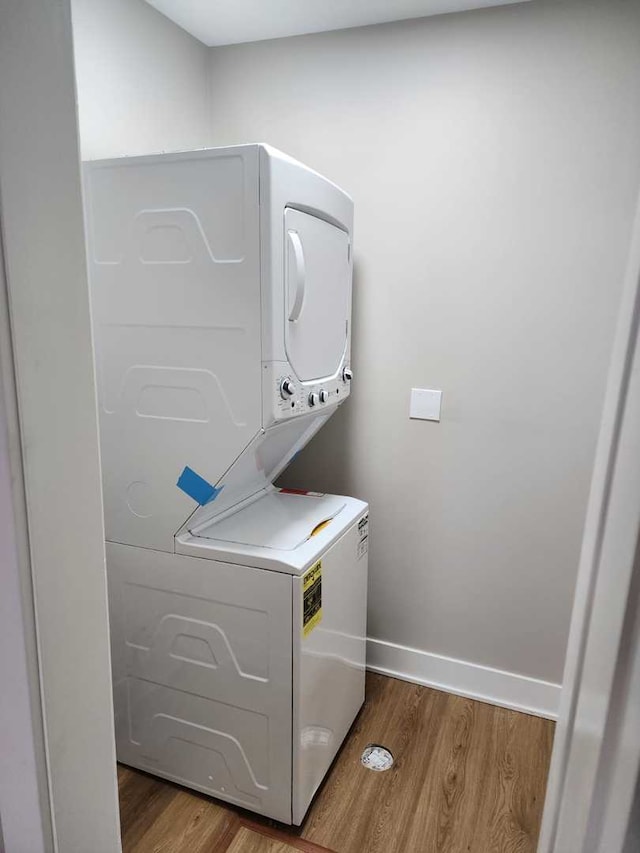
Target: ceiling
218, 22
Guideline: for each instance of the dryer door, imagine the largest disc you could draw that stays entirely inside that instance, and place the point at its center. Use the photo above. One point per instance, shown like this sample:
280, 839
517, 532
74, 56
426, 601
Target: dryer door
317, 294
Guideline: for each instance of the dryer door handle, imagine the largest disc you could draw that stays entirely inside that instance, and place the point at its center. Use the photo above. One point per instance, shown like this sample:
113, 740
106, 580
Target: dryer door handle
297, 276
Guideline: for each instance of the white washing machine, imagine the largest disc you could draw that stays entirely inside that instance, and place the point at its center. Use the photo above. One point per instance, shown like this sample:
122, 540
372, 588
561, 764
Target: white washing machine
221, 302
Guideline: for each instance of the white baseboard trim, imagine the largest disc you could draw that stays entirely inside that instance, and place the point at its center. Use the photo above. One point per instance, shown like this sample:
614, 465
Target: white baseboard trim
506, 689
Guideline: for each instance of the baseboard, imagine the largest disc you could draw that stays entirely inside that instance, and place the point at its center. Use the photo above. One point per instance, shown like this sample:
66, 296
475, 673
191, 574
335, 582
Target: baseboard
507, 689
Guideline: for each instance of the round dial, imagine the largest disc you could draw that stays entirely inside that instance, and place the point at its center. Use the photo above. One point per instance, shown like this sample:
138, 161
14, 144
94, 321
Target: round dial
324, 396
313, 399
347, 374
287, 389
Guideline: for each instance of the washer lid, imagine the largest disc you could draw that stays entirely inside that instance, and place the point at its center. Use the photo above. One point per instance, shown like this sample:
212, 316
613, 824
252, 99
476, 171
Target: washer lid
256, 468
280, 519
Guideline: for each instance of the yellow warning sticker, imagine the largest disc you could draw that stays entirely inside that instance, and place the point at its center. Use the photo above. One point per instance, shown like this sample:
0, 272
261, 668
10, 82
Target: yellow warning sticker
312, 598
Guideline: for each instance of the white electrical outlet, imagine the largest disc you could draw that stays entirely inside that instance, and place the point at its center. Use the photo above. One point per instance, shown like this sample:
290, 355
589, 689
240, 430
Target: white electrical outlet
425, 404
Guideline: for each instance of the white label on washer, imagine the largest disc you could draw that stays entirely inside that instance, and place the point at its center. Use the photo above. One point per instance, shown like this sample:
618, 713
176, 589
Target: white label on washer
363, 527
363, 547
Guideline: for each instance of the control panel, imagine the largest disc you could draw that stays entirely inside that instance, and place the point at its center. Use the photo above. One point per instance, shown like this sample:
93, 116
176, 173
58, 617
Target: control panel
289, 397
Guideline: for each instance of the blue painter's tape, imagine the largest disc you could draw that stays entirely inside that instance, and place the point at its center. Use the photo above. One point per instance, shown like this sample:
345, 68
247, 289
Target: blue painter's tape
197, 487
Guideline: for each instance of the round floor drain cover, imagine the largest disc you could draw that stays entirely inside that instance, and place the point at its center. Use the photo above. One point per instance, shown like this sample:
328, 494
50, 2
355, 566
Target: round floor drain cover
376, 757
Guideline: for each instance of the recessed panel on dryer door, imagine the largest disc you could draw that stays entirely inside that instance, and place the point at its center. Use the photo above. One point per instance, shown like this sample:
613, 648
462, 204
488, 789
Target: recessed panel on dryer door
317, 295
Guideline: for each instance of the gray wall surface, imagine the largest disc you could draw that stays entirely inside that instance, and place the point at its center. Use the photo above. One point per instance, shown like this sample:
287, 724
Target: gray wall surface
141, 80
632, 841
48, 299
493, 160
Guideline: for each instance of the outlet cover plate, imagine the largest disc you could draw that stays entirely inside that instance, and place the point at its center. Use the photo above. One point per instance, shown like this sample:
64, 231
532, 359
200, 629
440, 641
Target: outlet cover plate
425, 404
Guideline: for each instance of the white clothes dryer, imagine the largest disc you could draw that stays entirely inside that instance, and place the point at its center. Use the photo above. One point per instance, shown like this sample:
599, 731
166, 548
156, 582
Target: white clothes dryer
221, 303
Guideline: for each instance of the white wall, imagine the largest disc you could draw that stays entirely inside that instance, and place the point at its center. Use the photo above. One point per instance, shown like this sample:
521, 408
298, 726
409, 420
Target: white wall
596, 748
142, 81
24, 804
48, 298
632, 841
493, 160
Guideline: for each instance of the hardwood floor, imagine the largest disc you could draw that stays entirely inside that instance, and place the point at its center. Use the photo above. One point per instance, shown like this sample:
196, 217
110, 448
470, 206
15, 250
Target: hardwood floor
248, 841
254, 838
467, 778
158, 816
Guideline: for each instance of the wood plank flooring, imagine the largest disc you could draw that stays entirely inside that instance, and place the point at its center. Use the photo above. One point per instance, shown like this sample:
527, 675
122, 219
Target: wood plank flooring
248, 841
266, 840
467, 778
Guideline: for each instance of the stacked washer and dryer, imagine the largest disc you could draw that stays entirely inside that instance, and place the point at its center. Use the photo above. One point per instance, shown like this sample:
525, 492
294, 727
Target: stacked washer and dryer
221, 301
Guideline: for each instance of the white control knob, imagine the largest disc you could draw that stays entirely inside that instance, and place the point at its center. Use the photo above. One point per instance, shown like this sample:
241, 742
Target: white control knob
313, 399
324, 396
347, 374
287, 389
